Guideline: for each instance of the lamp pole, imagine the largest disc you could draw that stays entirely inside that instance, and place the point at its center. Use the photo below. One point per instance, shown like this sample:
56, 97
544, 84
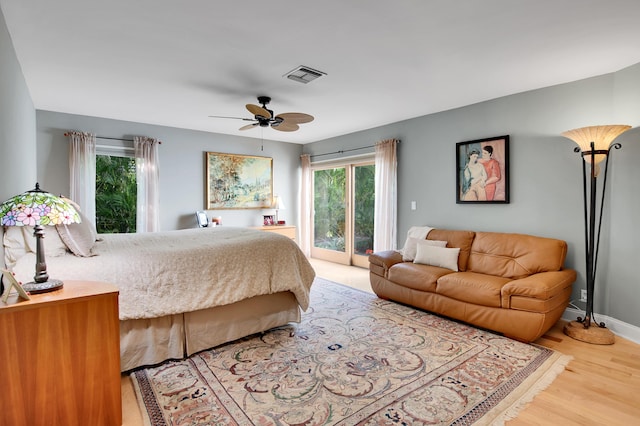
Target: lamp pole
592, 239
594, 145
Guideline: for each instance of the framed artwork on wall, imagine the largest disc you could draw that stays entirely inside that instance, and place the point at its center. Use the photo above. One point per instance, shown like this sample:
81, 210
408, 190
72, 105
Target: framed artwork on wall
482, 171
236, 181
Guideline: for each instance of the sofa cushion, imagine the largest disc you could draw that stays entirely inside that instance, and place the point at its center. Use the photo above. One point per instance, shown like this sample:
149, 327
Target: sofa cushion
411, 247
461, 239
443, 257
414, 234
479, 289
515, 255
416, 276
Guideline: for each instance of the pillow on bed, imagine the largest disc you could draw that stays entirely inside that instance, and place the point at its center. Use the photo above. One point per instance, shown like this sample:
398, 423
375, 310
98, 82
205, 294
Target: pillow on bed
15, 245
83, 218
437, 256
78, 237
53, 244
19, 240
411, 246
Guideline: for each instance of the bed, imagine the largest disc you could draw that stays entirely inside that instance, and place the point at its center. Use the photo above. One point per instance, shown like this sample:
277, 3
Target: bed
180, 291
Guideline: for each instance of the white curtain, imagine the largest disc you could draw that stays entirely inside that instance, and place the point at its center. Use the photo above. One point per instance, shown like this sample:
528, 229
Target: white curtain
82, 168
147, 176
385, 215
306, 204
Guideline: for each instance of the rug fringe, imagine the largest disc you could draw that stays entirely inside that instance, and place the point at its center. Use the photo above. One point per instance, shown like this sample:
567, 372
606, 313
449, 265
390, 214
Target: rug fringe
139, 395
511, 407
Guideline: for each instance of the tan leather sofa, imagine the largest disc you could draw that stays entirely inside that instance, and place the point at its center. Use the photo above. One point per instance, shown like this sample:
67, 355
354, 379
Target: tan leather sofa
513, 284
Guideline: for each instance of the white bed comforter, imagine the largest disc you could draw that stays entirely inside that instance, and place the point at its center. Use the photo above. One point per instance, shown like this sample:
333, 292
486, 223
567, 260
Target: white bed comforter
172, 272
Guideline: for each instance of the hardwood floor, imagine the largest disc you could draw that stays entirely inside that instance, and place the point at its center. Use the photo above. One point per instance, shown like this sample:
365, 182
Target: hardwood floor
600, 386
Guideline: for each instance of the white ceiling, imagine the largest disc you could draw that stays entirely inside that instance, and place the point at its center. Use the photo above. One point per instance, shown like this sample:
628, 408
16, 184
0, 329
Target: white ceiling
174, 63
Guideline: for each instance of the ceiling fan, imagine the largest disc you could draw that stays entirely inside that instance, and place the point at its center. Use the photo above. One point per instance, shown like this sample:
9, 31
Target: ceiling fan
263, 117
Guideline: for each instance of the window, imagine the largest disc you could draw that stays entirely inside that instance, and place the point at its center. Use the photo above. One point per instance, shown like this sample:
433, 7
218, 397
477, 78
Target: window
343, 212
116, 191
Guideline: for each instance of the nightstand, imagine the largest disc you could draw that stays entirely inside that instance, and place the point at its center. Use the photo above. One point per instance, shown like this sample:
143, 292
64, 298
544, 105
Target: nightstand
288, 231
60, 355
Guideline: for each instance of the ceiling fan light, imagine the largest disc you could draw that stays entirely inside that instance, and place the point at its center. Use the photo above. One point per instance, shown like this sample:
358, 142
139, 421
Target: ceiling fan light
263, 117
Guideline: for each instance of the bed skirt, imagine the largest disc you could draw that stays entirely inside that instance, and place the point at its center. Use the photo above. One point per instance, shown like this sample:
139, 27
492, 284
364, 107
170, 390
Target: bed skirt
145, 342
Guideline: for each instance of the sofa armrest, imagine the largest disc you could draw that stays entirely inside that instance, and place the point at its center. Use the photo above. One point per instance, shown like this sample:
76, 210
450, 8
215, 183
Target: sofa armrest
381, 261
543, 285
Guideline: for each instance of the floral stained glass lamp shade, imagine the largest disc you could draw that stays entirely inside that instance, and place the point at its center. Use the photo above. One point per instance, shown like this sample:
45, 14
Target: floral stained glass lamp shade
38, 208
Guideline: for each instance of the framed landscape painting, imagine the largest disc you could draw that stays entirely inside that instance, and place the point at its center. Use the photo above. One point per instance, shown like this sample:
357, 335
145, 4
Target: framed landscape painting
238, 181
482, 168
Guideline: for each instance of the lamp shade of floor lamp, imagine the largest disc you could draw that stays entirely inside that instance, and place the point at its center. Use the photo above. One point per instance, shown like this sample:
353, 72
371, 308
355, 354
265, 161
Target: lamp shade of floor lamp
594, 145
38, 208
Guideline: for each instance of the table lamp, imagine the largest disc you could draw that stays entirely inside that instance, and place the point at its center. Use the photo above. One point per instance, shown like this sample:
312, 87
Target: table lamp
38, 208
278, 205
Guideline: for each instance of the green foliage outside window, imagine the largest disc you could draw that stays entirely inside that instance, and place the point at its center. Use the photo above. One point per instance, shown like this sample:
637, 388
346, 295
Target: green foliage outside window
116, 194
364, 209
329, 202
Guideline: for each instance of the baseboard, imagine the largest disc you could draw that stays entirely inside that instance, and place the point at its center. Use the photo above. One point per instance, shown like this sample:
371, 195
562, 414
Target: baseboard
619, 328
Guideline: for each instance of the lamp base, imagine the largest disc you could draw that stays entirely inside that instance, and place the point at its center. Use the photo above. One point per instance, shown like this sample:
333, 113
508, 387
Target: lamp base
594, 334
35, 288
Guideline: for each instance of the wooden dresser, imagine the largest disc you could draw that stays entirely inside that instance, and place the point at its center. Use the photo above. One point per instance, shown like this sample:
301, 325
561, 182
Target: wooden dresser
60, 354
288, 231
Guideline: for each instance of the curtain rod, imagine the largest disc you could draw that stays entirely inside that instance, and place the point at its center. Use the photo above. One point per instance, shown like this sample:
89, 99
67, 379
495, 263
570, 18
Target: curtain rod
113, 139
343, 151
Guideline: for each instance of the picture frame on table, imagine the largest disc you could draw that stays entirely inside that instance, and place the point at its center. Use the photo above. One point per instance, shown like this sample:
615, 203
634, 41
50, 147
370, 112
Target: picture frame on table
9, 282
235, 181
202, 219
268, 220
482, 171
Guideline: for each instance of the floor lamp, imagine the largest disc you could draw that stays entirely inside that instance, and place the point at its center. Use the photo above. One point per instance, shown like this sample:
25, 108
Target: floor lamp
594, 145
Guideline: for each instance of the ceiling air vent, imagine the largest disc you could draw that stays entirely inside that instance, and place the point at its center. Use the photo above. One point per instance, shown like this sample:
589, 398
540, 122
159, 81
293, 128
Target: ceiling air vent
304, 74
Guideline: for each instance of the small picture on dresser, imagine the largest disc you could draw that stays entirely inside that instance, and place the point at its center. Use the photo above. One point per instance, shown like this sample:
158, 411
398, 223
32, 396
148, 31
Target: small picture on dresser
9, 282
268, 220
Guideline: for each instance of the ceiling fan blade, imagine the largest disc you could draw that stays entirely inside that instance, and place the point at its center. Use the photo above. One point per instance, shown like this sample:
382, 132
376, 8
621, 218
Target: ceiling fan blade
248, 126
296, 117
258, 110
285, 127
233, 118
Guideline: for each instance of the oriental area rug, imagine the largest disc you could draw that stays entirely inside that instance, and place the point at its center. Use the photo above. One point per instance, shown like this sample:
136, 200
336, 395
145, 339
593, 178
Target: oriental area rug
354, 359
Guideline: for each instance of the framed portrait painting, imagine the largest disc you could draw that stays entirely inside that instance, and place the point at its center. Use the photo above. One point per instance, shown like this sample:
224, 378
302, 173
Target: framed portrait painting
483, 171
238, 181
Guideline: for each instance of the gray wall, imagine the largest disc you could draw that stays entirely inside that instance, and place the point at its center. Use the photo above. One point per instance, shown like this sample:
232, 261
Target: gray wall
546, 175
17, 126
17, 123
182, 165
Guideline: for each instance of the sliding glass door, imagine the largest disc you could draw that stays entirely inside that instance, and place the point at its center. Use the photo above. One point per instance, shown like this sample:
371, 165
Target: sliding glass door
343, 208
363, 213
330, 215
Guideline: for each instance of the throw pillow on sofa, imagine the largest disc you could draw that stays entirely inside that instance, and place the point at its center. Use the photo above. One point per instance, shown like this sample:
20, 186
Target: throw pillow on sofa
411, 247
444, 257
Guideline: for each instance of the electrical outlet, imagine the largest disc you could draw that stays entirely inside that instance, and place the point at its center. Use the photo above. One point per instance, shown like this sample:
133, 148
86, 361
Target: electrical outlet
583, 295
